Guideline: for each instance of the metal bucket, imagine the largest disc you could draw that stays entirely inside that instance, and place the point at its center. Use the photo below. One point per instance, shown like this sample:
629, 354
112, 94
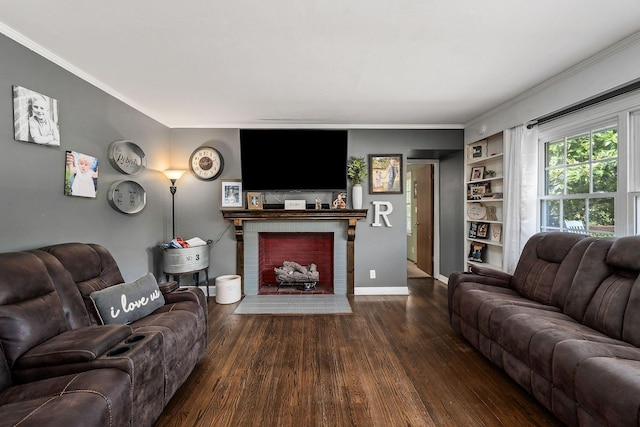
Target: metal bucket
185, 260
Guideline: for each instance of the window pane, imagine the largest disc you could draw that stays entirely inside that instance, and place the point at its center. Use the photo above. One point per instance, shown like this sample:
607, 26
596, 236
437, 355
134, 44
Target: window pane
578, 179
555, 181
605, 176
578, 149
605, 144
575, 210
550, 213
555, 153
601, 218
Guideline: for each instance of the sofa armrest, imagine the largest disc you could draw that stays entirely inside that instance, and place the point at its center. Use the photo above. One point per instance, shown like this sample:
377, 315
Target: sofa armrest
168, 287
502, 279
74, 346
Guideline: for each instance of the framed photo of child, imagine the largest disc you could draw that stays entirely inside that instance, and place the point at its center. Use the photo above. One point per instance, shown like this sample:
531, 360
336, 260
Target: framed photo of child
231, 194
81, 175
35, 117
385, 174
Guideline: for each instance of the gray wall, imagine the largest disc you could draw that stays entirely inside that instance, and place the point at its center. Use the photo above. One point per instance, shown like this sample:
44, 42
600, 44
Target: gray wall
451, 214
34, 211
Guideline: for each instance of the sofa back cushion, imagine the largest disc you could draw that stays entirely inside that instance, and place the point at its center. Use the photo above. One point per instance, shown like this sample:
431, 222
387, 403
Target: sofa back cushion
547, 265
91, 267
616, 305
30, 310
70, 297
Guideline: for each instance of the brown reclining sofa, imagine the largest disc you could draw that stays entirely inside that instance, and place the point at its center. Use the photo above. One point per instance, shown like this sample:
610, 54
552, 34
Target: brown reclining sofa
81, 348
565, 325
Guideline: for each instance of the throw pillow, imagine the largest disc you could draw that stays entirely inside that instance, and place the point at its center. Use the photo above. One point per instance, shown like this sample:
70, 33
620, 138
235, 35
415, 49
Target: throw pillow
128, 302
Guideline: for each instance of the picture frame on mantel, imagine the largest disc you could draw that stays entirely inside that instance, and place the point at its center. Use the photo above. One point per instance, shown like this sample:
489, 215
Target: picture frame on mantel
385, 174
231, 194
254, 200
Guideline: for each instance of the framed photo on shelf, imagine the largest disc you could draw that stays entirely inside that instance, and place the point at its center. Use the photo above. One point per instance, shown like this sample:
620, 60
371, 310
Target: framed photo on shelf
477, 150
478, 230
254, 200
385, 174
477, 173
496, 233
478, 191
231, 194
339, 200
477, 252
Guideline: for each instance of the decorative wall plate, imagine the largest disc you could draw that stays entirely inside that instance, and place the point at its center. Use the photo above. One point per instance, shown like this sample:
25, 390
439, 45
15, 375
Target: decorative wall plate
127, 197
127, 157
476, 211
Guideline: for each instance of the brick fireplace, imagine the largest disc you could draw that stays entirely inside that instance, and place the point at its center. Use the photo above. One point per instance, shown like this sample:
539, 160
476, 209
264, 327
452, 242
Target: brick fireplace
304, 248
248, 224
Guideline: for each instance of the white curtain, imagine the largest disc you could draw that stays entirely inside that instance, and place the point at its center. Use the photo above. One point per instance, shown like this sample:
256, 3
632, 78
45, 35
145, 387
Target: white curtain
521, 192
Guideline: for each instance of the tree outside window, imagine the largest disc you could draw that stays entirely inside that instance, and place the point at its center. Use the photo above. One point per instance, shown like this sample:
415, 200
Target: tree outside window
581, 182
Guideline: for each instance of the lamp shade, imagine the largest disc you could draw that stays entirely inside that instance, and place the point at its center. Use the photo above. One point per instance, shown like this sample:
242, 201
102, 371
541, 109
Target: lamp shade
173, 174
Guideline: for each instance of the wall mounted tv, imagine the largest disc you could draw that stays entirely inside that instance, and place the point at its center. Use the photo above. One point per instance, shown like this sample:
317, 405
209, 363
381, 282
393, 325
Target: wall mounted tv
293, 159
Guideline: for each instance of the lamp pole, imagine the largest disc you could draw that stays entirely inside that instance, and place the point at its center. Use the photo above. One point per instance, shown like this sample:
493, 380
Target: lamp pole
173, 189
173, 175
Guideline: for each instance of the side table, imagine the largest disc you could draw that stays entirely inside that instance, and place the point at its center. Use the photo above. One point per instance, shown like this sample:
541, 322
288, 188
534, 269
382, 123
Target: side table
196, 277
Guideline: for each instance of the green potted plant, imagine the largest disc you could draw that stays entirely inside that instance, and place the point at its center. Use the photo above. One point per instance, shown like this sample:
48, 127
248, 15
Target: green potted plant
356, 171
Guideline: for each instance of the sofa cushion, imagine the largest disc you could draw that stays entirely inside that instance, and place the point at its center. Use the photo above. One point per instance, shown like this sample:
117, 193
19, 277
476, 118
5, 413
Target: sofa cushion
30, 310
547, 266
608, 389
128, 302
100, 397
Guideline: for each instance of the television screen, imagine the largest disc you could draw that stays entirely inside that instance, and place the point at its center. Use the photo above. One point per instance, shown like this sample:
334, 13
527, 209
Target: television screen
293, 159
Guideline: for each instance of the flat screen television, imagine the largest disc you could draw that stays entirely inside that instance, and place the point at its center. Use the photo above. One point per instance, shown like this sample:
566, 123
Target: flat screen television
293, 159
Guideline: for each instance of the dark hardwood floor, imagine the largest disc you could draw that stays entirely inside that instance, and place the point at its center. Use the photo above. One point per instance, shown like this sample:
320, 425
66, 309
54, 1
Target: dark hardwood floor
394, 362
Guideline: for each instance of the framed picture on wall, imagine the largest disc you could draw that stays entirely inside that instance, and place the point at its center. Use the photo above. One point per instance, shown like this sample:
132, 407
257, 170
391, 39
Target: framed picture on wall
35, 117
81, 175
231, 194
385, 174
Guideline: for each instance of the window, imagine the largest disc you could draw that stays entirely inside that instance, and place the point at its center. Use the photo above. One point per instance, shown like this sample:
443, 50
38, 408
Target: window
581, 182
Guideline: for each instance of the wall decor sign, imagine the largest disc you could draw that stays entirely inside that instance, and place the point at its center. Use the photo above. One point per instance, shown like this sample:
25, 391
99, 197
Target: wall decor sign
35, 117
126, 157
385, 173
231, 194
127, 197
81, 175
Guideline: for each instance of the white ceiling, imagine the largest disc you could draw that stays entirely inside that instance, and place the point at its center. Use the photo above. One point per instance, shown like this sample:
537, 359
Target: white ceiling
349, 63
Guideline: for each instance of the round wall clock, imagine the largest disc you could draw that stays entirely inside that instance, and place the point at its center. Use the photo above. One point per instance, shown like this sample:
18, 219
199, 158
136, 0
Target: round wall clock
127, 197
126, 157
206, 163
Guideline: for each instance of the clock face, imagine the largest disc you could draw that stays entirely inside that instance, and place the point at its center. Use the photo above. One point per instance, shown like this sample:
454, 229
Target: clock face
206, 163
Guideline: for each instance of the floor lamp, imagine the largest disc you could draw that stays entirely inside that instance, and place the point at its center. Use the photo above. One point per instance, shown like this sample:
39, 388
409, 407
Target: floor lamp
173, 175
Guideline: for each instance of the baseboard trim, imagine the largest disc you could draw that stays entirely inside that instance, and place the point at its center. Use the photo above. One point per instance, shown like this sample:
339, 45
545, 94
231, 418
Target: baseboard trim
443, 279
389, 290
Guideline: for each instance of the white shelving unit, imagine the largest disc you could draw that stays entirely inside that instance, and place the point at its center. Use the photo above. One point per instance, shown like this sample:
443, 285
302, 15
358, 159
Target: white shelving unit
484, 220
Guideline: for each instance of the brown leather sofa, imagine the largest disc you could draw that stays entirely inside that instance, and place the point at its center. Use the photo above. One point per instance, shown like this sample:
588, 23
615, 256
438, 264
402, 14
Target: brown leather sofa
61, 366
565, 325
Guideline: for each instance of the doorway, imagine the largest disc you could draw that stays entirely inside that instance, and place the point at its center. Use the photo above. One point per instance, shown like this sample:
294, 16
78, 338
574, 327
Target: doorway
421, 206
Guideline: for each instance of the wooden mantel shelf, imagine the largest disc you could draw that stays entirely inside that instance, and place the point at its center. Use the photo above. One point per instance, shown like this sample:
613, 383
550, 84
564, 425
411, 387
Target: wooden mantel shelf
287, 214
238, 216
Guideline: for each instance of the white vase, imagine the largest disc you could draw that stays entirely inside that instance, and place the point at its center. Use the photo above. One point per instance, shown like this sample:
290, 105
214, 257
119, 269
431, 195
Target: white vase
356, 196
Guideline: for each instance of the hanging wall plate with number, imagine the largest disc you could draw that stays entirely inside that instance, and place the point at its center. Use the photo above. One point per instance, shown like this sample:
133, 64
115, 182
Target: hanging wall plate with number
206, 163
127, 157
127, 197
